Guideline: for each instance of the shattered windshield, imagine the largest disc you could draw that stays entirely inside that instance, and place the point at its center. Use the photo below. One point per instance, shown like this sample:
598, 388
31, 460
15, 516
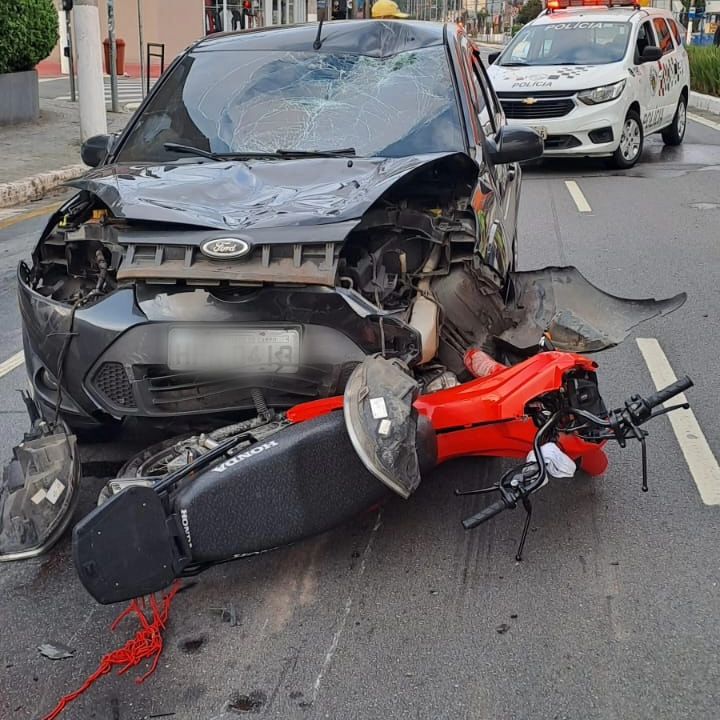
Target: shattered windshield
568, 43
262, 101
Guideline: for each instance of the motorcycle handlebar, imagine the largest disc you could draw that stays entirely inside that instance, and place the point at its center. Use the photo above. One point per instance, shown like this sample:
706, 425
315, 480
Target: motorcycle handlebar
484, 515
662, 396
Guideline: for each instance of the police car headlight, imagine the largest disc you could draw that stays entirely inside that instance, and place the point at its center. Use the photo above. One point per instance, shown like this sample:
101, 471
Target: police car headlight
602, 94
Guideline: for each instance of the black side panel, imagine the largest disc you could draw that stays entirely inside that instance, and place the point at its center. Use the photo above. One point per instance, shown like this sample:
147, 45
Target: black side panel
128, 547
302, 481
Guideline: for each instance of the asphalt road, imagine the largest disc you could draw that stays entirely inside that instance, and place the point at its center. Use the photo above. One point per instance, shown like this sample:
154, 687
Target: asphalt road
612, 616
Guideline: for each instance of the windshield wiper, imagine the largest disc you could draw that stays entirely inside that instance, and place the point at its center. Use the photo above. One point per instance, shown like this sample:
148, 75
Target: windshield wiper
189, 150
513, 64
200, 152
341, 152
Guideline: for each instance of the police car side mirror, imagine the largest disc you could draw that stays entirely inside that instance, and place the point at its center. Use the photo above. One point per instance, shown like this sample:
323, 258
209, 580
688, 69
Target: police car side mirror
492, 57
514, 143
650, 54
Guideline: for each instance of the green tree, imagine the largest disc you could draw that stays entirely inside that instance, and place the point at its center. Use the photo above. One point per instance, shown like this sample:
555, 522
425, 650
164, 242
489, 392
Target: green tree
529, 11
28, 33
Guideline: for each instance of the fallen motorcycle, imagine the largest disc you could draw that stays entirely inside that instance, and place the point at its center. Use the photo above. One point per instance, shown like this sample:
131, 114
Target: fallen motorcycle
250, 487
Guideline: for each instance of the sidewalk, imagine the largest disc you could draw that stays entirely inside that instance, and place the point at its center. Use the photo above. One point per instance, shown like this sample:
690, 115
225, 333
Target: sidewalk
49, 148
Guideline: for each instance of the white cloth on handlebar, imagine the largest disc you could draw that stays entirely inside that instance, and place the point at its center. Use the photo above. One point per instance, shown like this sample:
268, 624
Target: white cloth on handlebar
558, 464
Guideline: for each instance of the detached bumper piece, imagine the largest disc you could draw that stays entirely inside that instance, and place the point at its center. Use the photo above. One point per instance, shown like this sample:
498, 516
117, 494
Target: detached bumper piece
561, 303
38, 491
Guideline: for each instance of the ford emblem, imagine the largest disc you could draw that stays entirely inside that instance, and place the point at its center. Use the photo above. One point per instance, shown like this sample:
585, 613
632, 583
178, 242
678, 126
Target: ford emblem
225, 248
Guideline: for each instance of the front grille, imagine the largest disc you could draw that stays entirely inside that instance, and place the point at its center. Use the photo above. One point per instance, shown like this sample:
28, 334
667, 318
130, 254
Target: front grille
164, 392
306, 263
111, 380
516, 109
561, 142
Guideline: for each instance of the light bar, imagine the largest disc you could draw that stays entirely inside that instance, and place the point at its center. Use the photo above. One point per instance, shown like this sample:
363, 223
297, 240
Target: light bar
562, 4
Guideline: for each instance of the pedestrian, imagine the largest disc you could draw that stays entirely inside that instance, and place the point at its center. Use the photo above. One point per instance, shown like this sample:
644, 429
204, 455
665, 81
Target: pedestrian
237, 17
716, 37
387, 9
246, 13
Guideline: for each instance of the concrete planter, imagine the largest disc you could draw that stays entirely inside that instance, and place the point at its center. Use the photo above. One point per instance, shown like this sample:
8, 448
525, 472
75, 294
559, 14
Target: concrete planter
20, 97
705, 102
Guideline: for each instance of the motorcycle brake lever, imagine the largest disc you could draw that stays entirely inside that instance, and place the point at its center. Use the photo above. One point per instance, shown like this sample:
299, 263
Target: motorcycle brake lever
665, 410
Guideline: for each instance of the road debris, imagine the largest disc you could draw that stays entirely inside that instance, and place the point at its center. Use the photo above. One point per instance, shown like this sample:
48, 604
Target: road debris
56, 651
147, 644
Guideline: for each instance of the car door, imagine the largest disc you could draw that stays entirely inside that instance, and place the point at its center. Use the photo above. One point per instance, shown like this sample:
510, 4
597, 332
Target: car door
668, 88
488, 201
492, 119
647, 79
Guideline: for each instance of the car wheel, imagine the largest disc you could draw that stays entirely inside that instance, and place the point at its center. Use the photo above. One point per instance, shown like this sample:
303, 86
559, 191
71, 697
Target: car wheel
631, 142
674, 133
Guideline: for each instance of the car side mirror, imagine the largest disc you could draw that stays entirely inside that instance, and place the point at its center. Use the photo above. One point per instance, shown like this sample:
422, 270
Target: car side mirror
96, 148
650, 54
514, 143
492, 57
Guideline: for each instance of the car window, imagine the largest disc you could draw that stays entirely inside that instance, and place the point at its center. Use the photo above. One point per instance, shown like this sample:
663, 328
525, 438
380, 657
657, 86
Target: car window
491, 114
262, 101
645, 38
665, 42
568, 43
676, 32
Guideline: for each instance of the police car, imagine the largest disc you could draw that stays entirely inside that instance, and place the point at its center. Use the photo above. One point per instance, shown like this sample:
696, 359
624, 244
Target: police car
595, 77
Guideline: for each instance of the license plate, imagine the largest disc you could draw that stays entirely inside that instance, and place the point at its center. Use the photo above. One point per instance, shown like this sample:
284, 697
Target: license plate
541, 131
234, 349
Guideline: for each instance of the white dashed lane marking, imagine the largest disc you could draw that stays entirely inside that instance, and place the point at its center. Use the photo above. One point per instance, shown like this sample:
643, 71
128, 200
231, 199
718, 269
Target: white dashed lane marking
576, 194
699, 457
11, 363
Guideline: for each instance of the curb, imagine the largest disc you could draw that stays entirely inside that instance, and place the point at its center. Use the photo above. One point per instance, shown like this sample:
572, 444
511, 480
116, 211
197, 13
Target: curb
34, 187
705, 102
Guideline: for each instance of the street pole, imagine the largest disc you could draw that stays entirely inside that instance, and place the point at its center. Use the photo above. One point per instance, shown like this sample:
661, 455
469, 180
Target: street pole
115, 105
93, 118
71, 58
140, 43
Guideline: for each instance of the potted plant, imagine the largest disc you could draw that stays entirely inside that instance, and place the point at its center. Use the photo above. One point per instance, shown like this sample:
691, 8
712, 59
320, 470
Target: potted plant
28, 34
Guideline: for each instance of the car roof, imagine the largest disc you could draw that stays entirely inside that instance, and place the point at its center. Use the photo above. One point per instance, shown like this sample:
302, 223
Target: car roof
598, 14
375, 38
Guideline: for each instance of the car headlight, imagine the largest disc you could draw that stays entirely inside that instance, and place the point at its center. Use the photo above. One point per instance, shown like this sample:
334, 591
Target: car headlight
602, 94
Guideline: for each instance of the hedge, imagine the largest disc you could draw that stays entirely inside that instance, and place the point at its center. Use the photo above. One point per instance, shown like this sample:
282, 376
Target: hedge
28, 33
705, 69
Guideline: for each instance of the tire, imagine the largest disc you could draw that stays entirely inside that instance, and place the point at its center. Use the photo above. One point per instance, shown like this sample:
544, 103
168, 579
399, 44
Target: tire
631, 142
674, 133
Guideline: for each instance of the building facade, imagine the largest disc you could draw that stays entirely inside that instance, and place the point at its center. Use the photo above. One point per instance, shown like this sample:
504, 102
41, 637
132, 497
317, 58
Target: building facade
178, 23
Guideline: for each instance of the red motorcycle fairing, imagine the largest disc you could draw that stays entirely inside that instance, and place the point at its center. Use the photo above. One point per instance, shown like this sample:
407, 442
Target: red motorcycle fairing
487, 416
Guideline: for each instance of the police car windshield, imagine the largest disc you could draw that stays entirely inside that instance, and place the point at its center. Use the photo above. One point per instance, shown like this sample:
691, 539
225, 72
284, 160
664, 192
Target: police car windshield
256, 101
568, 43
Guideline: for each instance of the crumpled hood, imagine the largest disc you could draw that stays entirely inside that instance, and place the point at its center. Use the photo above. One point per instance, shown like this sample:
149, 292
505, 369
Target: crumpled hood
239, 195
554, 77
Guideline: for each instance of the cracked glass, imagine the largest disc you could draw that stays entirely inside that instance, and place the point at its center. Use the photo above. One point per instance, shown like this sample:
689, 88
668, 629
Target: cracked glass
262, 101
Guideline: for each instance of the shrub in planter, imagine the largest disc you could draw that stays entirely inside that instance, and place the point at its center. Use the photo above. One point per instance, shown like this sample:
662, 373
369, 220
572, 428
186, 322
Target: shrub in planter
28, 33
705, 69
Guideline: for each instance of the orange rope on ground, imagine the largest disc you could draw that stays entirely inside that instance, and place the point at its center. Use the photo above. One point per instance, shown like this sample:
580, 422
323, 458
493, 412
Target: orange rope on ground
147, 643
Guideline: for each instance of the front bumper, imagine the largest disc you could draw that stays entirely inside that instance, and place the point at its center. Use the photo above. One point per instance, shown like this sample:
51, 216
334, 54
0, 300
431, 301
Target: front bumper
587, 130
116, 362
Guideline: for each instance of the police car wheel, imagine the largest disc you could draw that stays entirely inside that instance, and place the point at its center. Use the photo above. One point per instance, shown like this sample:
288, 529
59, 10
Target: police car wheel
674, 134
631, 142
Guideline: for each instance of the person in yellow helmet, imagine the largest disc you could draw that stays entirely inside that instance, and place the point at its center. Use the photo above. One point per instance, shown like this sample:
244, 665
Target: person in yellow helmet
387, 9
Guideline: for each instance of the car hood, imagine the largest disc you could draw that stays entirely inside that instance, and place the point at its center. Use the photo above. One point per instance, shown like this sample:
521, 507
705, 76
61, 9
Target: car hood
244, 195
554, 77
